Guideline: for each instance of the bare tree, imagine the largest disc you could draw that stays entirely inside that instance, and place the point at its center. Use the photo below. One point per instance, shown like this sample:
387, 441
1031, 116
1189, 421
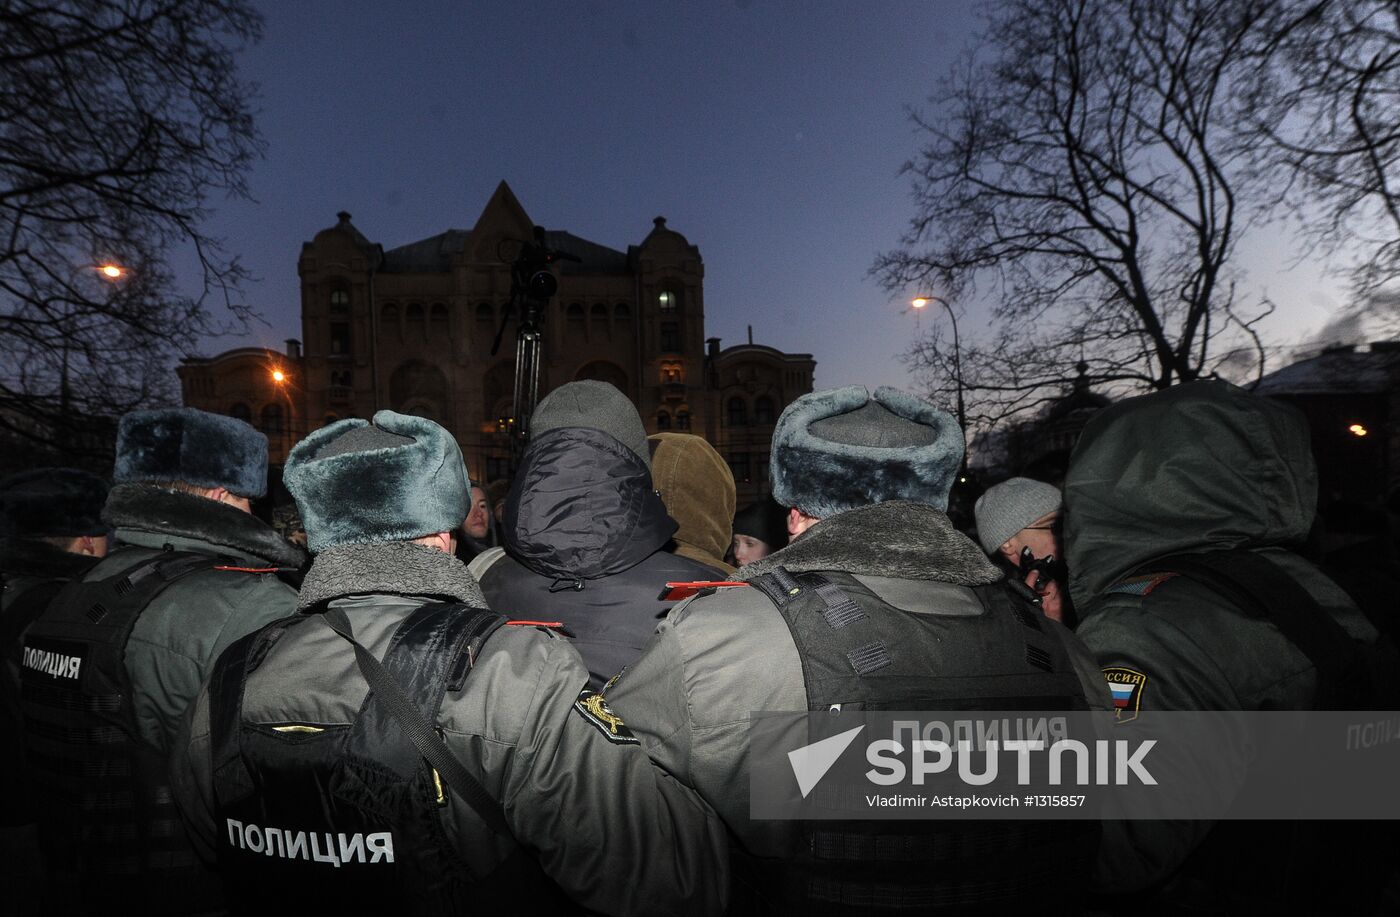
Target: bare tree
1323, 119
119, 120
1082, 173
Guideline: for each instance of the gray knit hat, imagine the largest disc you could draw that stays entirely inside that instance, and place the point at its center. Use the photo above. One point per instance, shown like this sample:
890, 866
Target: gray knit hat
397, 479
844, 448
598, 406
1011, 506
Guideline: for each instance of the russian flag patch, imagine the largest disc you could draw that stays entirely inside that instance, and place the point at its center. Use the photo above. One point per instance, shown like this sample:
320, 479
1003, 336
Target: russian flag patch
1126, 687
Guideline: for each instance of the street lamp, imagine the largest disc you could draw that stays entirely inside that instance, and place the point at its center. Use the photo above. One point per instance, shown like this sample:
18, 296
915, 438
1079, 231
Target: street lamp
920, 302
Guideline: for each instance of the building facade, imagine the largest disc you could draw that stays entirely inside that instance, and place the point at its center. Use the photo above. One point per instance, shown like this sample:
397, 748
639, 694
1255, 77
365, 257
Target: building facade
412, 329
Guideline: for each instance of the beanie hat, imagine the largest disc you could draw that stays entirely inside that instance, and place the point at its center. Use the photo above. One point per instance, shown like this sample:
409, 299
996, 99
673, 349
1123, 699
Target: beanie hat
840, 449
764, 520
52, 502
1010, 506
396, 479
596, 405
193, 446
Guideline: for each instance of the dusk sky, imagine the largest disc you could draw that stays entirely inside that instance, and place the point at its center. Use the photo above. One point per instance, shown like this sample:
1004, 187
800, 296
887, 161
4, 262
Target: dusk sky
771, 135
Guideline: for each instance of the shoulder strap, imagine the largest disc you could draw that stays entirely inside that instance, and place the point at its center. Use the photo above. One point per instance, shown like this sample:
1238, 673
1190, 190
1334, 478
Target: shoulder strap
1260, 587
419, 731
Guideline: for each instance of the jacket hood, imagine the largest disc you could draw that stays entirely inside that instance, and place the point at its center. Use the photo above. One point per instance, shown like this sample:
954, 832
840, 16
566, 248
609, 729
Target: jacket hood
698, 489
1201, 466
898, 538
148, 508
582, 507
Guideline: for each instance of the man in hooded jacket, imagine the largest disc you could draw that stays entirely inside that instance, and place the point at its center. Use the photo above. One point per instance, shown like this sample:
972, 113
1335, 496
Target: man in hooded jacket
698, 490
1198, 469
585, 530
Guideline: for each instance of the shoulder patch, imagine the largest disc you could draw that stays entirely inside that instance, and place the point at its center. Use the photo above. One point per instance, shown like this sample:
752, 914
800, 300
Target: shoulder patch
594, 709
1126, 686
1140, 585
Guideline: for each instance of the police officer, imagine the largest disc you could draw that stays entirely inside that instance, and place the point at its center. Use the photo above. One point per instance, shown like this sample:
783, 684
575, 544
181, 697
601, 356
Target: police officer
50, 533
397, 746
1182, 511
879, 594
115, 659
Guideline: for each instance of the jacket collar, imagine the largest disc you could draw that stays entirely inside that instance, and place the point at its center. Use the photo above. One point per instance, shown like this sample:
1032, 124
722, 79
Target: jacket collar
395, 568
898, 538
148, 508
28, 557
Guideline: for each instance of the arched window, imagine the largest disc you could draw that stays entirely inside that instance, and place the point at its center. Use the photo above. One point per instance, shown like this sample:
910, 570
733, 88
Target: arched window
389, 315
439, 313
574, 327
240, 411
272, 419
682, 420
622, 313
668, 301
738, 412
340, 301
663, 420
763, 410
598, 316
415, 312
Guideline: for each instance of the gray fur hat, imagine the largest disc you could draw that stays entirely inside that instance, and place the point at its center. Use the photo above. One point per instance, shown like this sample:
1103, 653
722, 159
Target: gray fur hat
598, 406
52, 503
193, 446
842, 448
1010, 506
398, 478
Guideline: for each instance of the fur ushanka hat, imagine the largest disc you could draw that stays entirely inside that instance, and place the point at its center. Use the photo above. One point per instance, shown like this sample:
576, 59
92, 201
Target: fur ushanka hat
395, 479
840, 449
193, 446
52, 503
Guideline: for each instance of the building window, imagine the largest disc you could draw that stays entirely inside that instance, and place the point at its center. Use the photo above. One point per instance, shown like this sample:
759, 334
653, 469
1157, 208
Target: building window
672, 372
415, 312
390, 313
340, 302
663, 420
738, 412
343, 378
272, 419
598, 315
682, 420
668, 301
739, 465
574, 324
340, 339
670, 337
622, 313
439, 313
241, 412
763, 410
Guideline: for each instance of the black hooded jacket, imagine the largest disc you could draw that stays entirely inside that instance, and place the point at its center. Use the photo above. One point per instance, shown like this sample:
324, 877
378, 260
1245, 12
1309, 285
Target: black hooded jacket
585, 539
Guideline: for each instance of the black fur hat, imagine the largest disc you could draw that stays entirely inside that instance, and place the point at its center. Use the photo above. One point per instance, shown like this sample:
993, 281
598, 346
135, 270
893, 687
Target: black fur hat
196, 447
52, 502
840, 449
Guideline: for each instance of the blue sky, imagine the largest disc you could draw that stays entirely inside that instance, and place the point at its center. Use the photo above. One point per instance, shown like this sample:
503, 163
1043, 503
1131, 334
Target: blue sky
770, 134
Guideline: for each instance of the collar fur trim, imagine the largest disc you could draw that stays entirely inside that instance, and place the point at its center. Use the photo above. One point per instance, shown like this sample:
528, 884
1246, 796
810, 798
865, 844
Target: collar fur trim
393, 568
148, 508
898, 538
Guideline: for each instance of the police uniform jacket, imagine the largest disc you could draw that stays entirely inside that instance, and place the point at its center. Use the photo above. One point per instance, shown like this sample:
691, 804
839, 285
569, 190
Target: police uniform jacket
720, 656
1240, 475
614, 832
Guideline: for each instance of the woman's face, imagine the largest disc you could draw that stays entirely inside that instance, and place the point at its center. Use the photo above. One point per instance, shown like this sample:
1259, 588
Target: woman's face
748, 549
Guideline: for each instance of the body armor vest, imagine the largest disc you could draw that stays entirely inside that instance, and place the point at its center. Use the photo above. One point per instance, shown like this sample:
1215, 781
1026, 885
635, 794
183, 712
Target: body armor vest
350, 814
861, 653
106, 816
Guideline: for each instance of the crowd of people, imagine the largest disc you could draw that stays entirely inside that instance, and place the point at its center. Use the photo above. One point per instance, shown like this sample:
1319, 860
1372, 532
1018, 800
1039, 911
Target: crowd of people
444, 694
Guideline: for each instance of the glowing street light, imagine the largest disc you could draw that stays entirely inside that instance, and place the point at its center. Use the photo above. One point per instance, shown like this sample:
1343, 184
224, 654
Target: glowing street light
1357, 429
112, 271
279, 376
